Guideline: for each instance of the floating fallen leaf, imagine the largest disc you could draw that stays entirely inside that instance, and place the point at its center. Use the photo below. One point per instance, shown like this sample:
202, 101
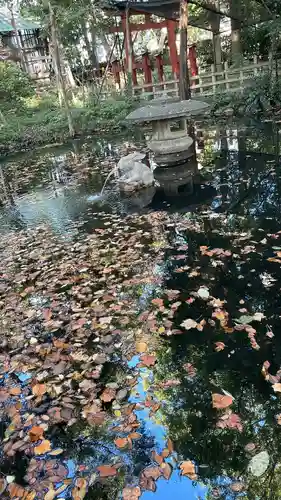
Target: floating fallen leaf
276, 387
250, 447
188, 469
188, 324
231, 421
15, 391
259, 464
135, 435
108, 395
170, 445
131, 493
141, 347
278, 418
39, 389
190, 369
16, 491
203, 293
157, 302
3, 485
107, 470
219, 346
36, 433
56, 452
154, 472
147, 483
166, 470
221, 401
157, 458
43, 447
148, 360
121, 442
237, 486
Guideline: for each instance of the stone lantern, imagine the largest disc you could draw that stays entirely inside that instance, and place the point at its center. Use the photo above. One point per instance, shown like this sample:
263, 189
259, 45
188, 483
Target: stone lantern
173, 149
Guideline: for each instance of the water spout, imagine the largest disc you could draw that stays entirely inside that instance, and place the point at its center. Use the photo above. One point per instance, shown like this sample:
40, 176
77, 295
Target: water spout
115, 169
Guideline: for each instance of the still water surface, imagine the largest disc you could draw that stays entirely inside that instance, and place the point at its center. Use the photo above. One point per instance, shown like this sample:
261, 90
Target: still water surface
237, 207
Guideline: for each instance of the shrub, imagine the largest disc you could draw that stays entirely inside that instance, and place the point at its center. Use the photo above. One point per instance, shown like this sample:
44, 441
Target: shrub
15, 86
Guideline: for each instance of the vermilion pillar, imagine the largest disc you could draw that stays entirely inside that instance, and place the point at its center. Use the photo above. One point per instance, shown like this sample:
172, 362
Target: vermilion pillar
147, 70
193, 60
171, 28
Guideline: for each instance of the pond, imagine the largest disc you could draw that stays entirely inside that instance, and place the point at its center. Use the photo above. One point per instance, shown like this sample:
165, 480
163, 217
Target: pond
140, 353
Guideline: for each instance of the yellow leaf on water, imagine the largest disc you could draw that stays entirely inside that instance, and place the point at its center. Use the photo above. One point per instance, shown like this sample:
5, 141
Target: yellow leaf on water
43, 447
141, 347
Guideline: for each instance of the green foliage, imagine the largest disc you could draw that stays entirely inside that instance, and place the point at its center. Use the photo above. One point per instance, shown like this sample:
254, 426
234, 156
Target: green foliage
46, 123
15, 86
261, 95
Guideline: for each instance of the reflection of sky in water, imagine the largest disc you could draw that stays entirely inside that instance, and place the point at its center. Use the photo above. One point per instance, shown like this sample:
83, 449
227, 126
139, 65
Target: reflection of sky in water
177, 485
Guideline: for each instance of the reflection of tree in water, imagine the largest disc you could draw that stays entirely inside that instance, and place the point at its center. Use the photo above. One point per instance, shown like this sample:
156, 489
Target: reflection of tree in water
187, 408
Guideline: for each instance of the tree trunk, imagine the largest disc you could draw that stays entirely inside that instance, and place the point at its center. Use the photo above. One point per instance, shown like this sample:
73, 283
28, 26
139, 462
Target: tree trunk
58, 70
90, 47
184, 84
22, 55
217, 52
236, 52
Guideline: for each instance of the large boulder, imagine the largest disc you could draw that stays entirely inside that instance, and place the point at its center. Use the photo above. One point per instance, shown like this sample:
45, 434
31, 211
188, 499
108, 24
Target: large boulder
133, 173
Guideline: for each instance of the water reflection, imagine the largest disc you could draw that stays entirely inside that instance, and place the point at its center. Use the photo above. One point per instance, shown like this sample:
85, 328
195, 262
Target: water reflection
236, 208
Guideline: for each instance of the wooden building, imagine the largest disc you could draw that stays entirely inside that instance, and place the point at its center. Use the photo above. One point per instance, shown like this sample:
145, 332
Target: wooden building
21, 41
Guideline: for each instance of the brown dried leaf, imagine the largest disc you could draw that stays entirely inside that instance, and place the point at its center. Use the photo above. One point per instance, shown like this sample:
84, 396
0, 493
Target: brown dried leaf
157, 302
276, 387
36, 433
188, 469
108, 395
15, 391
39, 389
148, 360
135, 435
221, 401
154, 472
107, 470
170, 445
157, 458
121, 442
166, 470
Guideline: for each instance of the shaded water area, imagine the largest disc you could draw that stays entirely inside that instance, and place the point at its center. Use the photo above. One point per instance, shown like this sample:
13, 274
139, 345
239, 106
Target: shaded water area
140, 337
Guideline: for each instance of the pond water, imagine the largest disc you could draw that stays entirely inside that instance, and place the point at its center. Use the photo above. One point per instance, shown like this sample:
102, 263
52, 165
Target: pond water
185, 294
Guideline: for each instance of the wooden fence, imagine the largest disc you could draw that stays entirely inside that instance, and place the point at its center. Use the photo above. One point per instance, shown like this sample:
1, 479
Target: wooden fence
208, 82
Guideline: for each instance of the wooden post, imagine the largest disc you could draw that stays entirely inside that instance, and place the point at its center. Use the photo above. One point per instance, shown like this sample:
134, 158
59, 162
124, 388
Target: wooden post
171, 28
193, 60
213, 70
147, 71
129, 52
226, 75
184, 75
159, 66
115, 67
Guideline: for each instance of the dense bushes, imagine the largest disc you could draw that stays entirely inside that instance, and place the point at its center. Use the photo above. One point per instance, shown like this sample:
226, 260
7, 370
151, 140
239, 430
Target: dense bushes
261, 96
15, 86
45, 122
